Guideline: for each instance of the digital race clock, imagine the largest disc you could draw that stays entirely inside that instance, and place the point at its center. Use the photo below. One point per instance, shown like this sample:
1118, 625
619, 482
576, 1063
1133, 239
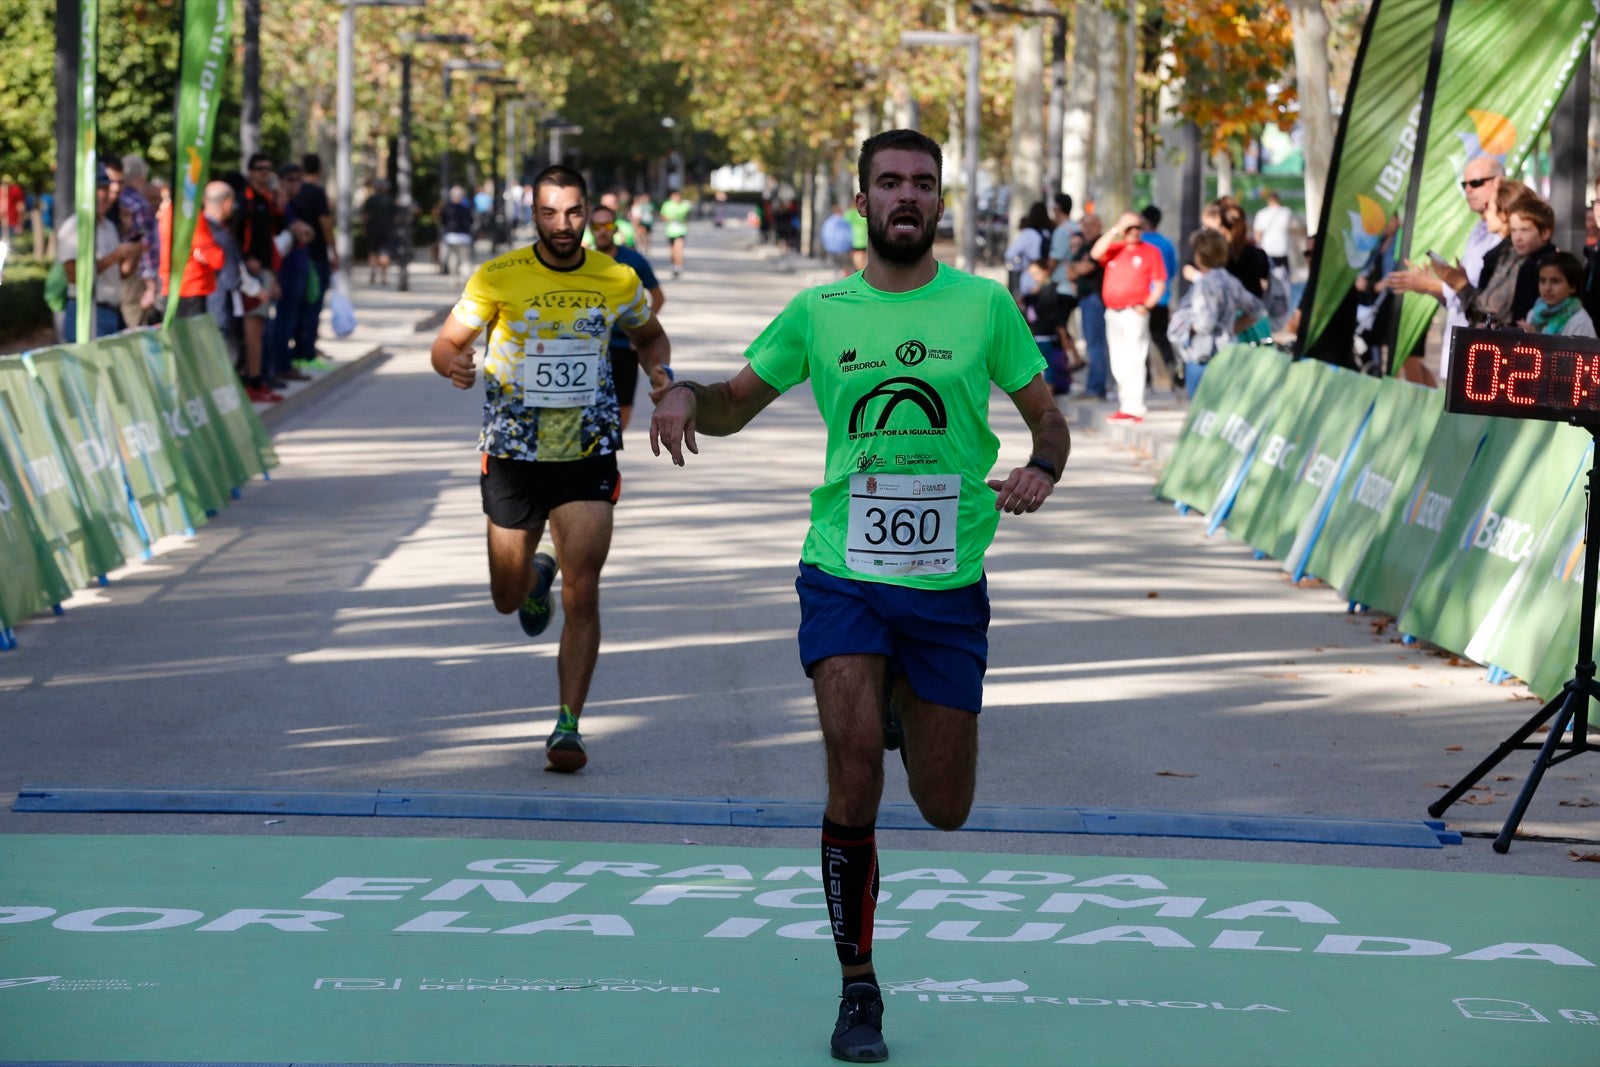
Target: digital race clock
1524, 376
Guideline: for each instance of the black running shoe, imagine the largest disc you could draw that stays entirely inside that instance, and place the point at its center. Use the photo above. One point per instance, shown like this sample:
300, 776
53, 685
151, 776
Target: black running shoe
534, 615
858, 1035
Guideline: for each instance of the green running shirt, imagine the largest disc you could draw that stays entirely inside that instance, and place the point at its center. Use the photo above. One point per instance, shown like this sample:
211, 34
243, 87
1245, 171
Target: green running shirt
902, 381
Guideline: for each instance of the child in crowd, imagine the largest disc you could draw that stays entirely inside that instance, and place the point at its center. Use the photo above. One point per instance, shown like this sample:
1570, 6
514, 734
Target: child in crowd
1217, 307
1558, 310
1047, 310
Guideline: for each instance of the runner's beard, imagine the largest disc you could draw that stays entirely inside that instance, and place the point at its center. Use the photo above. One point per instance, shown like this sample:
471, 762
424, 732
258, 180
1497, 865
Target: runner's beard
900, 248
547, 237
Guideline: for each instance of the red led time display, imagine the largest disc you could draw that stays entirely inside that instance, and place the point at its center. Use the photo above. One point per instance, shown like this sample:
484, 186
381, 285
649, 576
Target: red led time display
1524, 376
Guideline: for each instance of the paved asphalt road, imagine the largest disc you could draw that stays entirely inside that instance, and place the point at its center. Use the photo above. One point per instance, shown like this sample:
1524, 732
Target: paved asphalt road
332, 631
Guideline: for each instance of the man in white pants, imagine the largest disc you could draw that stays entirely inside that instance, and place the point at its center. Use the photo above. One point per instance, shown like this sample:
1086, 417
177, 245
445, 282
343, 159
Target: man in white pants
1135, 278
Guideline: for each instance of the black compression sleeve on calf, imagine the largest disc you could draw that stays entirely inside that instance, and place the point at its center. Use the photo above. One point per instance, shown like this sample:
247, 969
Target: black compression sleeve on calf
850, 883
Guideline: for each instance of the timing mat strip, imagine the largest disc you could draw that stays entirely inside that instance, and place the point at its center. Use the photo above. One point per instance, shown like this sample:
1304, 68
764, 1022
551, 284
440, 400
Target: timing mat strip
732, 811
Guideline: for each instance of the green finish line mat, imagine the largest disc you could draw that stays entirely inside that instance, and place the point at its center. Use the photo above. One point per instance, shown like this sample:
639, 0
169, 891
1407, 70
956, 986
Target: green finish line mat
386, 950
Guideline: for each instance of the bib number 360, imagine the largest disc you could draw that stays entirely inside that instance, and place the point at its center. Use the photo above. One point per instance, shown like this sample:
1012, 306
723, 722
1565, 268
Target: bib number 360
903, 524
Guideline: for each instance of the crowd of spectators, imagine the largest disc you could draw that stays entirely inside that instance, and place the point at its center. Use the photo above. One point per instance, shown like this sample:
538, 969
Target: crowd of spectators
260, 264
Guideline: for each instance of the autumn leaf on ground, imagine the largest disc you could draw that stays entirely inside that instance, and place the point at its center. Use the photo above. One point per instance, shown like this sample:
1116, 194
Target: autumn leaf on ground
1176, 774
1504, 777
1452, 748
1290, 677
1584, 857
1581, 802
1438, 785
1152, 595
1355, 670
1470, 799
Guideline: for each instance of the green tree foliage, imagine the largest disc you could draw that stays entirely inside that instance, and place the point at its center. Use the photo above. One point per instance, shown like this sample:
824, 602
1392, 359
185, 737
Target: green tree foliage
27, 92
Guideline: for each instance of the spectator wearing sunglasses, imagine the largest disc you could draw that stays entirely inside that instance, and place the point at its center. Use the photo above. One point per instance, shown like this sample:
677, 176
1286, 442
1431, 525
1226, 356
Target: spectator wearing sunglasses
1480, 180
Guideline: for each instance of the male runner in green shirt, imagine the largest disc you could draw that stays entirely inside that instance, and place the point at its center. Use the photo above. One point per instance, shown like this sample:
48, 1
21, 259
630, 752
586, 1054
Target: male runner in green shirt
893, 600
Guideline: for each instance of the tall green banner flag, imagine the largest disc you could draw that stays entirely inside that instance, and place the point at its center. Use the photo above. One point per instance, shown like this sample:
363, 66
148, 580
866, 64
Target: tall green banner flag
1503, 70
1377, 140
207, 26
88, 65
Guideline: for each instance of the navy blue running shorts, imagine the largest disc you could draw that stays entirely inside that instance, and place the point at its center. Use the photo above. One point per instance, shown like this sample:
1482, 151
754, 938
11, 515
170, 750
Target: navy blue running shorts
937, 638
519, 494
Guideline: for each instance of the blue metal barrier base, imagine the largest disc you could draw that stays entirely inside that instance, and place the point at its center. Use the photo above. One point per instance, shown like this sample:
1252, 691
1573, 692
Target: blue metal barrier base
733, 811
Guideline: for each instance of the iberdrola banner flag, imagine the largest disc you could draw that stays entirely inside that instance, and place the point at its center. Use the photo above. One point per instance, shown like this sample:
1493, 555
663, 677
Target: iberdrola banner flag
88, 66
207, 30
1373, 156
1503, 70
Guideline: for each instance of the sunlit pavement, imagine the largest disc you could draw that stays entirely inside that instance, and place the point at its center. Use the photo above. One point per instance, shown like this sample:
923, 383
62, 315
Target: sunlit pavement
330, 634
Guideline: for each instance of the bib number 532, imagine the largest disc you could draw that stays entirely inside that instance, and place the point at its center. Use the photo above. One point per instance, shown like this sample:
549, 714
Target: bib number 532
903, 524
560, 372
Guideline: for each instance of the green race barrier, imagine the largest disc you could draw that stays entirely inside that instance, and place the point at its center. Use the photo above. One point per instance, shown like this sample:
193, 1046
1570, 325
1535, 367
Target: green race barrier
196, 446
1537, 612
1382, 468
202, 359
1198, 467
1314, 443
93, 437
1275, 441
1517, 482
1226, 418
81, 539
1397, 555
122, 392
30, 581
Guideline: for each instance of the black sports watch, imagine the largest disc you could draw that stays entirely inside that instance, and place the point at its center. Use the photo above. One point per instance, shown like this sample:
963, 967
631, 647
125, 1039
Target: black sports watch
1045, 465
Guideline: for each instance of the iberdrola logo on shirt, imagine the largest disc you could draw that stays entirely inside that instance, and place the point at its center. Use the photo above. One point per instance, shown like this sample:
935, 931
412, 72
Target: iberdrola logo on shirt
872, 413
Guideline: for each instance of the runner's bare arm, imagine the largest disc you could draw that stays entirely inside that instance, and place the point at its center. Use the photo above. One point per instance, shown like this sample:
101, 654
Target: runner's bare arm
1028, 485
719, 409
452, 352
655, 352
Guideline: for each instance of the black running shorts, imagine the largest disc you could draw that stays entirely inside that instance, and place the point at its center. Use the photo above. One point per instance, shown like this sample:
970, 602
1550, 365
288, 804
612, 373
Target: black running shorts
520, 494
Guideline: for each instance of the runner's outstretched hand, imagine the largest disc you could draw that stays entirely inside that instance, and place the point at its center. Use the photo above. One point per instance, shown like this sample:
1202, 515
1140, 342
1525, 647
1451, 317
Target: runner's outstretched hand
1023, 491
672, 425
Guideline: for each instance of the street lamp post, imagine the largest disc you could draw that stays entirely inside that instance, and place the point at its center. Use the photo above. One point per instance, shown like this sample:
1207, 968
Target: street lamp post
345, 107
498, 210
404, 200
969, 221
450, 66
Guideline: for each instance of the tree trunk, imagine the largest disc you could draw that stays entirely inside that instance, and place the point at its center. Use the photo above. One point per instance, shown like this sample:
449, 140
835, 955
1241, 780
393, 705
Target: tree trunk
1077, 125
1027, 121
1222, 163
1310, 24
1594, 107
250, 101
1114, 122
1166, 187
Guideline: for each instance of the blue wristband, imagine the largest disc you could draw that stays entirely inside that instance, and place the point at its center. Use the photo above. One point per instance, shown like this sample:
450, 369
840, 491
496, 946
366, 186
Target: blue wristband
668, 372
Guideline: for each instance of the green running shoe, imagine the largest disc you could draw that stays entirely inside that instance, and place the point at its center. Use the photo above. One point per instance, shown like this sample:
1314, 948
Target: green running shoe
564, 752
536, 611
